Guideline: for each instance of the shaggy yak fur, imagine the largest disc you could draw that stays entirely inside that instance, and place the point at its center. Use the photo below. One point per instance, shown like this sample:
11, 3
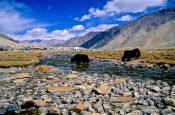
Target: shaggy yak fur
128, 54
78, 58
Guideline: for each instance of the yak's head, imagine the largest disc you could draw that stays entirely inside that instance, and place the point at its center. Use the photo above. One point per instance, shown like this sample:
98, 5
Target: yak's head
72, 59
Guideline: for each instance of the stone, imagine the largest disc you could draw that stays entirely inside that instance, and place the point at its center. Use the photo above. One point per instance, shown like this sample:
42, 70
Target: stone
43, 110
45, 69
136, 112
120, 81
53, 89
136, 94
2, 111
98, 114
12, 107
170, 101
156, 89
104, 89
54, 111
19, 76
79, 106
121, 99
150, 109
168, 111
166, 90
127, 94
71, 76
20, 81
3, 100
88, 106
40, 103
48, 100
98, 107
54, 81
106, 106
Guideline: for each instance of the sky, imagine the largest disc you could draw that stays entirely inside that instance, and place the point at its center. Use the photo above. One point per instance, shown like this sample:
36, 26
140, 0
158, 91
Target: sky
64, 19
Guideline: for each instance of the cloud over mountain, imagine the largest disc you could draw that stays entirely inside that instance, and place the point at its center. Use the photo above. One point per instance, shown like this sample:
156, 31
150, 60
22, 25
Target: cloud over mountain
116, 6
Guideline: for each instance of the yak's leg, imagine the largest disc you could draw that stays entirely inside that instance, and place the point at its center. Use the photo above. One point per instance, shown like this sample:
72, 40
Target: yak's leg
78, 63
128, 59
123, 58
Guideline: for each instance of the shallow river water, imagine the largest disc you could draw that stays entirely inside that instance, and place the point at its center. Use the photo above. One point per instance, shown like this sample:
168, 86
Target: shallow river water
108, 67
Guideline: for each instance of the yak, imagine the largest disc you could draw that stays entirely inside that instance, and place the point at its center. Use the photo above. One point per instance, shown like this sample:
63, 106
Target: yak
128, 54
78, 58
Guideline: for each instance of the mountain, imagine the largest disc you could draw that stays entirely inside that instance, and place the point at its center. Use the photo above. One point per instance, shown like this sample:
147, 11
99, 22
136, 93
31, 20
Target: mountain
7, 41
52, 42
78, 41
153, 30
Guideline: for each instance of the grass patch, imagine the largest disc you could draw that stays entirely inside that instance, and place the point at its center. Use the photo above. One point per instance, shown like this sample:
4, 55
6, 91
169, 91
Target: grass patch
19, 59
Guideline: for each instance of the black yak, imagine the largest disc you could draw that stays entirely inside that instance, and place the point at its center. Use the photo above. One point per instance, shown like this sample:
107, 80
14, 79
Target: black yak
128, 54
78, 58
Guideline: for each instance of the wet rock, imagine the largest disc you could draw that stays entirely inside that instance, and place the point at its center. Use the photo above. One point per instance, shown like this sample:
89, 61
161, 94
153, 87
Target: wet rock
2, 111
12, 107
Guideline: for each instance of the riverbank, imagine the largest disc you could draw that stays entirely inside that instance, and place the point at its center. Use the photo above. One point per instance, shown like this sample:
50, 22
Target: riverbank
103, 87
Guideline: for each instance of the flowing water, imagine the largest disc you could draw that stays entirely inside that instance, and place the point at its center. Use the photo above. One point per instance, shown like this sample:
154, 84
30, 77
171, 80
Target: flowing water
107, 67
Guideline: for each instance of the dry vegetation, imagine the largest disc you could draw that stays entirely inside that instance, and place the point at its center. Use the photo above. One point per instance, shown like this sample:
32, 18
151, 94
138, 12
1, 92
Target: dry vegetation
18, 58
158, 56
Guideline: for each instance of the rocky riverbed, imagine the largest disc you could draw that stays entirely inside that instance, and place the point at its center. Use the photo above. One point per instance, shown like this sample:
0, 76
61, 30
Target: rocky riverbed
104, 87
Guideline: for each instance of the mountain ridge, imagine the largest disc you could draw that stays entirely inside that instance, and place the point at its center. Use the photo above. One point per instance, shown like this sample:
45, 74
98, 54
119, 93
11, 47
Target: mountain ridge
125, 35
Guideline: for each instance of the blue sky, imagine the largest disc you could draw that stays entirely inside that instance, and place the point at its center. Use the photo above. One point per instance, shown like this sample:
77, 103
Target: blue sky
64, 19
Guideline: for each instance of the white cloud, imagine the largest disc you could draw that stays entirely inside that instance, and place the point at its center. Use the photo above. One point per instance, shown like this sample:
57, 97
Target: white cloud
12, 21
116, 6
85, 17
126, 18
42, 33
77, 28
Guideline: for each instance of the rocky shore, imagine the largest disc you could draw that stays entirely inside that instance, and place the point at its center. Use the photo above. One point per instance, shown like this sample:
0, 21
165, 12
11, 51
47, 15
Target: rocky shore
42, 90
